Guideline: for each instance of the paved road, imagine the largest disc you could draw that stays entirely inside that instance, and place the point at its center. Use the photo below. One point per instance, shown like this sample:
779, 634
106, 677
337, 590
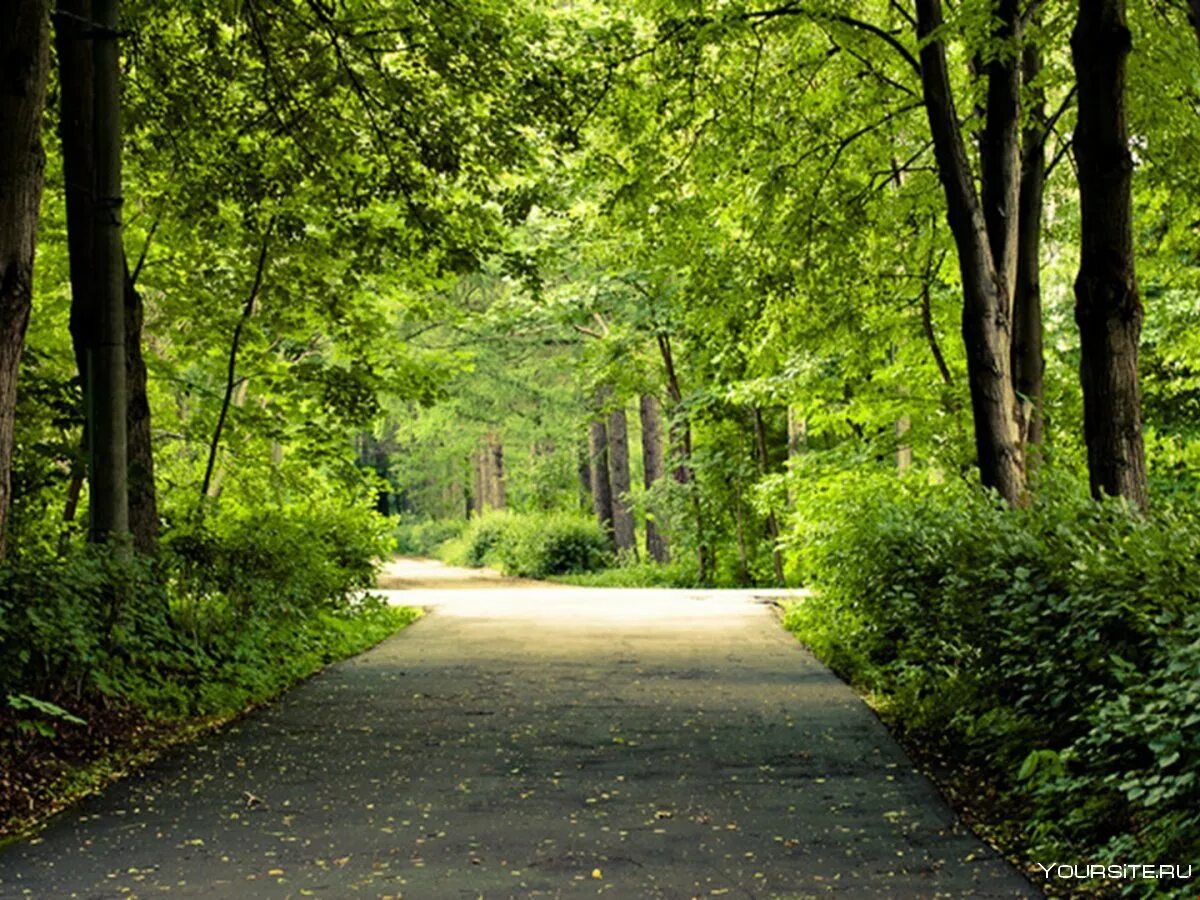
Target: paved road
534, 741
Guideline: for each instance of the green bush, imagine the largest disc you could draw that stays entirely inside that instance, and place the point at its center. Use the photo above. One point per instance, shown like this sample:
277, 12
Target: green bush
530, 545
426, 536
234, 603
1057, 646
539, 545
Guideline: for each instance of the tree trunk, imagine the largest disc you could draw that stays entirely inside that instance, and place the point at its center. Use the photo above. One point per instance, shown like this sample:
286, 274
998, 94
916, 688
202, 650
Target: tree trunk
618, 462
108, 400
24, 60
764, 465
584, 471
797, 439
680, 434
986, 291
653, 469
231, 383
601, 486
1108, 309
479, 500
739, 522
496, 486
1194, 16
1028, 363
143, 501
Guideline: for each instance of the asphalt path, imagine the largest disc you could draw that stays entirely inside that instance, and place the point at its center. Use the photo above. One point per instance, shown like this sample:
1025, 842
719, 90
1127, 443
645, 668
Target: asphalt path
529, 740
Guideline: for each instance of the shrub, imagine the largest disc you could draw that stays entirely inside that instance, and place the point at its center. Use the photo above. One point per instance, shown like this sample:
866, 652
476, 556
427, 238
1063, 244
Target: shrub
425, 537
530, 545
535, 546
1055, 645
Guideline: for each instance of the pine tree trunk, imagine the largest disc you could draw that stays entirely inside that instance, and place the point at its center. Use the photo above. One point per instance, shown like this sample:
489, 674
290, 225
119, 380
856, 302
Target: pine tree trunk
24, 60
653, 468
108, 399
602, 501
1108, 309
1028, 363
986, 277
618, 462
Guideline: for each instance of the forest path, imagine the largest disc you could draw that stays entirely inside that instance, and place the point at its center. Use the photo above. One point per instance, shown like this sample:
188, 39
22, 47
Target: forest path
528, 740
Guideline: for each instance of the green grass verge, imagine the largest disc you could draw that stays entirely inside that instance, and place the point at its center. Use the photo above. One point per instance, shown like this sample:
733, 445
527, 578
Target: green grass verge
636, 575
74, 767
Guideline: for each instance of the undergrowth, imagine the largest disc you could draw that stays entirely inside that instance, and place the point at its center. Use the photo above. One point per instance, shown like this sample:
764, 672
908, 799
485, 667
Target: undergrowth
1054, 648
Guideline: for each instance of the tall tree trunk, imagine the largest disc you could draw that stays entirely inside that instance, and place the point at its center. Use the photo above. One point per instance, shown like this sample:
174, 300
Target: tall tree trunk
24, 60
231, 382
653, 469
986, 280
764, 466
496, 487
143, 501
108, 400
601, 486
584, 471
1028, 363
680, 435
73, 44
479, 500
797, 439
618, 462
1108, 309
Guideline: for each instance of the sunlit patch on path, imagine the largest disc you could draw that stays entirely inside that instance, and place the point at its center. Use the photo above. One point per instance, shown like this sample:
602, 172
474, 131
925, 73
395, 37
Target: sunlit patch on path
535, 741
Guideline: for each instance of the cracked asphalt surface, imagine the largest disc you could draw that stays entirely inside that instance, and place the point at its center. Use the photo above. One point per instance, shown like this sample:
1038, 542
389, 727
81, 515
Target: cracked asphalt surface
527, 740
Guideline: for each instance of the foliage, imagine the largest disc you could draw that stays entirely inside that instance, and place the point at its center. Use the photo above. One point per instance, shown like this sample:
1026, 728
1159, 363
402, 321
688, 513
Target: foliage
423, 537
531, 545
1054, 646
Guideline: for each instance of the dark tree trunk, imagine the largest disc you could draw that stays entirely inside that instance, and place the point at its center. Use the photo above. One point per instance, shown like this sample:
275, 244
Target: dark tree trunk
1108, 309
653, 469
24, 59
680, 434
601, 487
497, 490
618, 462
480, 500
764, 465
1194, 16
231, 383
1000, 149
1028, 364
143, 502
986, 289
108, 398
584, 471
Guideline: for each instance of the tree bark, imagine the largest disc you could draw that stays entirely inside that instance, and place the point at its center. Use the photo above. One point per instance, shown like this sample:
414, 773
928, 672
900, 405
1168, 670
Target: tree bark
143, 500
653, 469
601, 486
479, 501
1028, 363
618, 462
24, 60
496, 487
584, 471
986, 293
1108, 309
1000, 148
108, 398
231, 368
764, 465
680, 435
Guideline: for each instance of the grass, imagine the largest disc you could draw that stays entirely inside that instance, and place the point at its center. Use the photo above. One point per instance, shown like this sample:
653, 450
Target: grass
635, 575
